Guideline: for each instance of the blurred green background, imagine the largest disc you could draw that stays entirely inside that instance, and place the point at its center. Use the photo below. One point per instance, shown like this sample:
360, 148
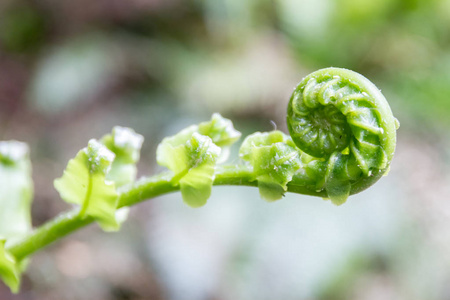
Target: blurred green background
71, 70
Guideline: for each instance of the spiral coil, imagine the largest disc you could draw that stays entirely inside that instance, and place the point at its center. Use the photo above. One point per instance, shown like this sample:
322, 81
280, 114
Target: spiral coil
339, 116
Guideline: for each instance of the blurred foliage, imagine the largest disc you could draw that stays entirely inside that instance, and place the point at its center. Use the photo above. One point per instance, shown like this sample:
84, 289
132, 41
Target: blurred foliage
22, 28
77, 68
193, 51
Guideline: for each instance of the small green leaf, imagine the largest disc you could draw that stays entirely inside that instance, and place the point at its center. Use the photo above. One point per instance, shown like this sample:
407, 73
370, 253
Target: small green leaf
16, 192
126, 144
269, 189
337, 183
192, 158
171, 151
275, 161
9, 269
193, 153
84, 183
220, 130
197, 184
312, 172
259, 139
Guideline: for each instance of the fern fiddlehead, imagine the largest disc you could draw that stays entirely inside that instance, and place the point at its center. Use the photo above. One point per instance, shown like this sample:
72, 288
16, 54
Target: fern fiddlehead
342, 140
345, 130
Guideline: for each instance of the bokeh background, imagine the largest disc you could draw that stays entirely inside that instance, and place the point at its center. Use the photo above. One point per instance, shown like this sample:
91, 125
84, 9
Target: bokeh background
71, 70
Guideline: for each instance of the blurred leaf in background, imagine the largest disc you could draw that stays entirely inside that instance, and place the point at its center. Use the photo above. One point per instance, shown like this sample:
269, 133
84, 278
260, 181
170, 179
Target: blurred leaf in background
22, 28
71, 70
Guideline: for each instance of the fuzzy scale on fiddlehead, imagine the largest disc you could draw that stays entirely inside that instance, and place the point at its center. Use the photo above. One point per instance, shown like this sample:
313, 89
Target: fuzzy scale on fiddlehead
345, 127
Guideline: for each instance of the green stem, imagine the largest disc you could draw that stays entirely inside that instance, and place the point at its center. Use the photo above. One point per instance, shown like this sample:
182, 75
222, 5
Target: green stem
143, 189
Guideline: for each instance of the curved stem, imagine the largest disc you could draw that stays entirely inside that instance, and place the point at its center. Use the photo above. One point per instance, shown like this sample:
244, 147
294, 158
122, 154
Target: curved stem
143, 189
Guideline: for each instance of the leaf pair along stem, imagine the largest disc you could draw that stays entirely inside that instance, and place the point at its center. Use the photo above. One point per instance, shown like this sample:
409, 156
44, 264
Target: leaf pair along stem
143, 189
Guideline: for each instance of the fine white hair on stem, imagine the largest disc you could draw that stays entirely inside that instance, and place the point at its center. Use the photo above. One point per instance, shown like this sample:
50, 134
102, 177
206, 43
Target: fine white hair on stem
274, 125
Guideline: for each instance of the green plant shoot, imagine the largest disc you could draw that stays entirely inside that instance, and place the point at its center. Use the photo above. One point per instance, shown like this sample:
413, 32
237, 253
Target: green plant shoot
342, 140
